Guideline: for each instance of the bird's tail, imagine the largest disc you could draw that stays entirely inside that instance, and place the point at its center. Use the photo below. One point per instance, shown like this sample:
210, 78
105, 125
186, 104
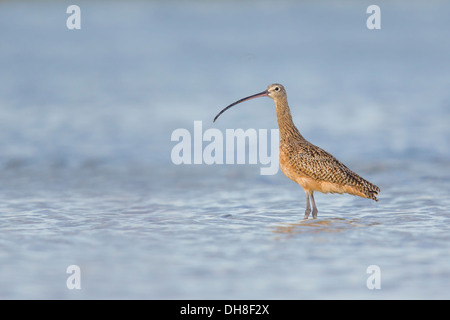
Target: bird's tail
359, 186
369, 190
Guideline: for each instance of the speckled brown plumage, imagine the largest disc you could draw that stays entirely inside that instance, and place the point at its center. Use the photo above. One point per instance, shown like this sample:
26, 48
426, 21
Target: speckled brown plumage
306, 159
306, 164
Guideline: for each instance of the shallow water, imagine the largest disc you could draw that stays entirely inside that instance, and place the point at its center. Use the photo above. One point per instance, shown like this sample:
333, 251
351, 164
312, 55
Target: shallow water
86, 171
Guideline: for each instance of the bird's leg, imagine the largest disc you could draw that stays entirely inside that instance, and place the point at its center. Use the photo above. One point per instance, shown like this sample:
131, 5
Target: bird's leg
308, 206
314, 210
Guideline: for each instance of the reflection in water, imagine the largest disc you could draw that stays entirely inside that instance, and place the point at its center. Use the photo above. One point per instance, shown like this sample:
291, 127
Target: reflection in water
331, 225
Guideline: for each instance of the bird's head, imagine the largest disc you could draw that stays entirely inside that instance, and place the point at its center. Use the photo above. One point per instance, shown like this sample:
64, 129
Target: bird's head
276, 91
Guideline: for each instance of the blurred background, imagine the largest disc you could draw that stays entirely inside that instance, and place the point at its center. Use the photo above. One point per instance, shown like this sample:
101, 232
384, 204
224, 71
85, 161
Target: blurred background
86, 118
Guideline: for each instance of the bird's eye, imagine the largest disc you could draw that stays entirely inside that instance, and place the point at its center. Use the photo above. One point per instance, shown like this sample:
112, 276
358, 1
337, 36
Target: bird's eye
277, 88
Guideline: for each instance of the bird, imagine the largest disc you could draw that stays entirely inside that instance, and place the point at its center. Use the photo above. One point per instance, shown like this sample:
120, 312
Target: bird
313, 168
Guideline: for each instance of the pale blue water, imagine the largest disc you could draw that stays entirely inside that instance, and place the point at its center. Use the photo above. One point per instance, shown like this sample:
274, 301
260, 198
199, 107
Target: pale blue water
87, 179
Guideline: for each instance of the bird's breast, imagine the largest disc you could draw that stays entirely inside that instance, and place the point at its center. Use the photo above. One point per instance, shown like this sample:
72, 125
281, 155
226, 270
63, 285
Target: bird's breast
287, 166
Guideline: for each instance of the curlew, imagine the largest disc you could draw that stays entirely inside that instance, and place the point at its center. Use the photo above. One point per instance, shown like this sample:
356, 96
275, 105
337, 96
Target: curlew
311, 167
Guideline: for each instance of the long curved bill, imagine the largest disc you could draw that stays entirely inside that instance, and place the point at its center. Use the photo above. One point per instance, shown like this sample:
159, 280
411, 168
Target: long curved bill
261, 94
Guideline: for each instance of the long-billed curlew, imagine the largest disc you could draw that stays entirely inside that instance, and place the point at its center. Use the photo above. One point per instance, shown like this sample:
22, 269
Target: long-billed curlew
311, 167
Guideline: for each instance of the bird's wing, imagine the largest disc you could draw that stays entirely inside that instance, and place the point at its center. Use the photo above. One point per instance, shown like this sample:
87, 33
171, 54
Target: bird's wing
318, 164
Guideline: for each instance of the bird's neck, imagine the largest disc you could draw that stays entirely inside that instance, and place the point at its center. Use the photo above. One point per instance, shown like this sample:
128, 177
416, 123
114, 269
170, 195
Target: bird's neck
288, 130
